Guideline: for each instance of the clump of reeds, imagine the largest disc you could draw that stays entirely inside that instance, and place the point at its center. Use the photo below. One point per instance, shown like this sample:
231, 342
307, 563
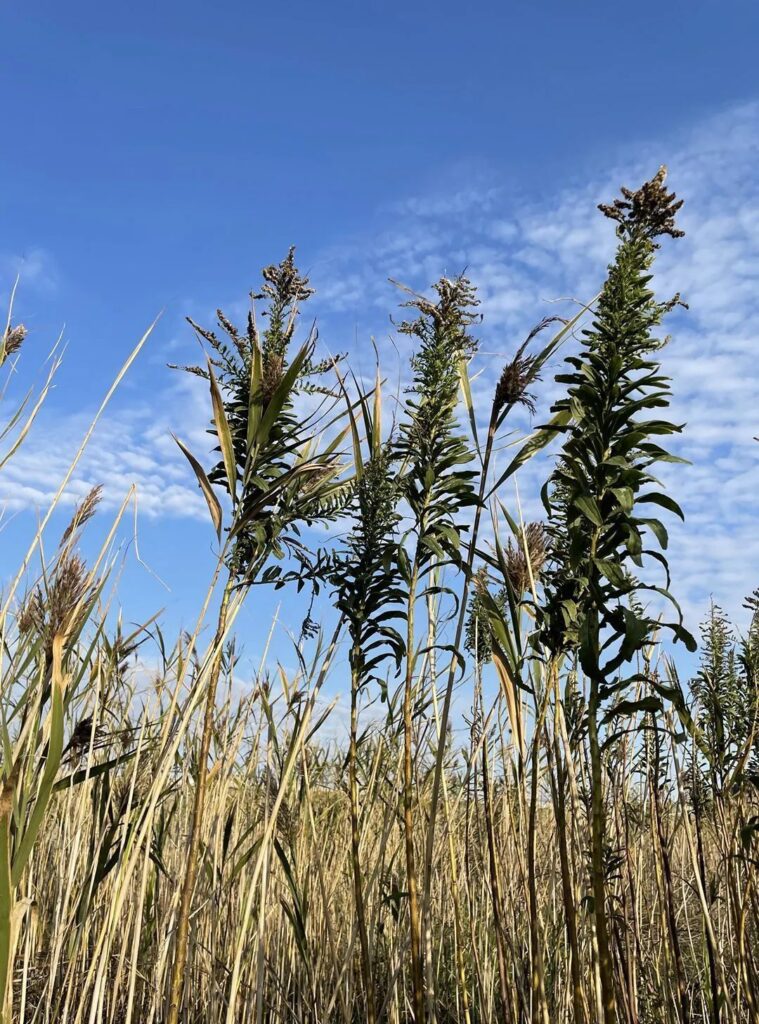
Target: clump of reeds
586, 850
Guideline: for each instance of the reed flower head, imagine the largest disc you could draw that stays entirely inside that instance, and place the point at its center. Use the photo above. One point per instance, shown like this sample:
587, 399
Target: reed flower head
526, 557
512, 385
59, 609
478, 638
83, 512
649, 210
13, 339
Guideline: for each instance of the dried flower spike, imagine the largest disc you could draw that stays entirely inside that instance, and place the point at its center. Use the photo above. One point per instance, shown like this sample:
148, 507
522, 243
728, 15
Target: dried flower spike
84, 511
512, 385
522, 371
525, 559
13, 339
650, 210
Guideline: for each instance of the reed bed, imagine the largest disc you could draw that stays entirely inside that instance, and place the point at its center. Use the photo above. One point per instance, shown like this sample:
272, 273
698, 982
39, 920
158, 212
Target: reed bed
529, 817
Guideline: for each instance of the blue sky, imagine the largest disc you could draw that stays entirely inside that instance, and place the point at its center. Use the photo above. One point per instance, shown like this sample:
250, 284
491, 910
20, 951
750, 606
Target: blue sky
155, 156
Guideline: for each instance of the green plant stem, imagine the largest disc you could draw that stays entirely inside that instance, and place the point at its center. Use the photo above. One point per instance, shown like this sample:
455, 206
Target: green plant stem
446, 710
598, 831
366, 963
417, 968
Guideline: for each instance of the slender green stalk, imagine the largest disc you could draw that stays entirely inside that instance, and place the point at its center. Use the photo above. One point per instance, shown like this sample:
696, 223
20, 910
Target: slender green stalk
415, 927
358, 890
598, 879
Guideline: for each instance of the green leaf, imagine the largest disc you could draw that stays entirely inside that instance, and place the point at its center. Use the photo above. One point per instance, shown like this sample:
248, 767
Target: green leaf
466, 389
281, 394
659, 531
589, 508
612, 571
224, 434
545, 354
637, 631
255, 403
91, 772
537, 441
624, 496
54, 753
212, 501
627, 708
357, 456
665, 501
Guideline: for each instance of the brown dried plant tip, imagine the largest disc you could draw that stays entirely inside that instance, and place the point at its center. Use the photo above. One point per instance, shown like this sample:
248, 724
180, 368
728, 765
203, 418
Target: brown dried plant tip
455, 308
58, 611
283, 278
85, 732
522, 371
526, 558
511, 388
84, 511
651, 209
13, 339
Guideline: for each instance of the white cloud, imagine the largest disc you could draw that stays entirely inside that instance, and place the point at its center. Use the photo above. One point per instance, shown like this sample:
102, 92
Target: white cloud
131, 446
523, 255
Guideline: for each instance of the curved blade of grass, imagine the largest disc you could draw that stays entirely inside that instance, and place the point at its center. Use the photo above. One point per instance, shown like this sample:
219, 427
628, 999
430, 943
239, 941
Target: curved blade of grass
54, 752
214, 506
11, 593
224, 434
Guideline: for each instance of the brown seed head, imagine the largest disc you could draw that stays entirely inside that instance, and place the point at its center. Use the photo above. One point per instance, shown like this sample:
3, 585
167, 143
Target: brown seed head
455, 309
67, 595
84, 511
32, 615
85, 732
526, 557
650, 210
13, 339
273, 371
516, 377
58, 610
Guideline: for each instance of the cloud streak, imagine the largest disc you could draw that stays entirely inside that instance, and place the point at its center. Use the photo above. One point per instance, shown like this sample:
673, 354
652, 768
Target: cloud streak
529, 257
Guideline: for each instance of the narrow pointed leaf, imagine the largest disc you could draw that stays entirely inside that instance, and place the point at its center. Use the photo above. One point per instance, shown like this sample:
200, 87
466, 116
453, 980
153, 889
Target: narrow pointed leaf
224, 434
214, 507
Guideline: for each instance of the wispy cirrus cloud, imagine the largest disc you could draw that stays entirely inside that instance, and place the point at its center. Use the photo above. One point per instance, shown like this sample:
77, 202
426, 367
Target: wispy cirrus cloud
529, 256
131, 446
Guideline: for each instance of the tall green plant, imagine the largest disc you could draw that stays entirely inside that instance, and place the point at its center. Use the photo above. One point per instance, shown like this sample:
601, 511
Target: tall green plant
438, 489
275, 481
368, 594
599, 496
727, 704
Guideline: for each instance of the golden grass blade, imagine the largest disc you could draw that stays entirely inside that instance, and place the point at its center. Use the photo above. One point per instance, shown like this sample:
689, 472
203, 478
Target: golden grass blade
70, 471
